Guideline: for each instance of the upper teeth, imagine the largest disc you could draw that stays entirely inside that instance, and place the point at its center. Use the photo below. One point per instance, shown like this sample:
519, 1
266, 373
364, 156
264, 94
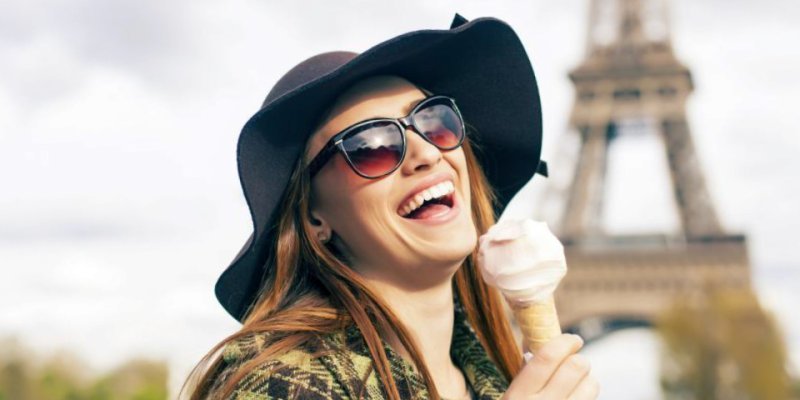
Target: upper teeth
433, 192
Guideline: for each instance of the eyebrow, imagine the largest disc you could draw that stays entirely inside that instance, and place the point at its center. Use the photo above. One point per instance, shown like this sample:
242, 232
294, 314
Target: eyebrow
410, 106
414, 103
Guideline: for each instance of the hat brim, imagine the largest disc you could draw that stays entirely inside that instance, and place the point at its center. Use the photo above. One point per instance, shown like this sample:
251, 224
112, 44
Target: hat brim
481, 63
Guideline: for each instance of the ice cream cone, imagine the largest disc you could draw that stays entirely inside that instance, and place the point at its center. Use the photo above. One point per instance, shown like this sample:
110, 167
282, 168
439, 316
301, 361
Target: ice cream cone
538, 322
525, 261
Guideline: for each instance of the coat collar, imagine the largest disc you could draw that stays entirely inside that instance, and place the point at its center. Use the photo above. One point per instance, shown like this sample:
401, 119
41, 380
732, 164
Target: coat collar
350, 362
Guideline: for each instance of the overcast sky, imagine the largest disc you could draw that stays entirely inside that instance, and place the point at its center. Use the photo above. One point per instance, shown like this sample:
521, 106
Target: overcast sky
119, 198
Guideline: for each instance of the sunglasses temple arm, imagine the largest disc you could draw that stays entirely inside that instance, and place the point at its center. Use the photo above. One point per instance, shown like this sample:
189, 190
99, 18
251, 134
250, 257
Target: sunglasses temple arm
316, 164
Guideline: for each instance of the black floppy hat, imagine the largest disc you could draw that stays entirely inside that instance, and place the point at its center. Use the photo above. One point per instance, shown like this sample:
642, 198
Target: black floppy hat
480, 63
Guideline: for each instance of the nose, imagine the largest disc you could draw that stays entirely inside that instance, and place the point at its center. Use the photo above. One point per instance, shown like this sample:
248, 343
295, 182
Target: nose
420, 154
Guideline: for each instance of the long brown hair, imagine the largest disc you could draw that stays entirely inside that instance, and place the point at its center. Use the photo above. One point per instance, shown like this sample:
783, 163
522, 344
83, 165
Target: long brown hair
309, 291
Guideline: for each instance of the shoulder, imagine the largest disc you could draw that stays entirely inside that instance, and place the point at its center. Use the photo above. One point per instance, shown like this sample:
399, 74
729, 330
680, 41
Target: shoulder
296, 373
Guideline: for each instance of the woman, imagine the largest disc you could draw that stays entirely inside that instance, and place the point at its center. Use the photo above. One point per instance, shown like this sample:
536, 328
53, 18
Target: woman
367, 199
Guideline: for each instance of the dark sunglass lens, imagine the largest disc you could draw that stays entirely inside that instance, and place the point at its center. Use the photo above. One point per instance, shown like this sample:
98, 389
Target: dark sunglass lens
441, 124
374, 149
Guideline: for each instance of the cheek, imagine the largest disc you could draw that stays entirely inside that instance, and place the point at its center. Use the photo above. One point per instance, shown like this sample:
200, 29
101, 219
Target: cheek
334, 182
358, 211
458, 162
349, 202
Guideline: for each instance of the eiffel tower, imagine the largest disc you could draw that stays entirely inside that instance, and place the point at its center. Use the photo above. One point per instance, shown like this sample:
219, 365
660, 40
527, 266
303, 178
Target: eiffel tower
631, 81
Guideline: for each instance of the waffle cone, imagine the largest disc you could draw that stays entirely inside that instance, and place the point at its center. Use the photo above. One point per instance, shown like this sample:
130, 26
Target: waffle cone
538, 322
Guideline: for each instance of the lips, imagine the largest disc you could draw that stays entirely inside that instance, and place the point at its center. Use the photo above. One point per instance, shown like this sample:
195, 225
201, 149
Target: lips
432, 201
433, 209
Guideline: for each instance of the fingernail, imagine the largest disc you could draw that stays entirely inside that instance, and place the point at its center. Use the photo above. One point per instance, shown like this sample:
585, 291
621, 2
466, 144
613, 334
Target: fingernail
528, 356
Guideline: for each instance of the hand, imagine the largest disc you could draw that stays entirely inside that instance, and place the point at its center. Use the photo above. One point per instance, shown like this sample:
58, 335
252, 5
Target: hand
556, 372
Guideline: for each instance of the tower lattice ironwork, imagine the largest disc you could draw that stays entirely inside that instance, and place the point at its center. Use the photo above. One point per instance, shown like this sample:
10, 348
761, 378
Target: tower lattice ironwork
630, 73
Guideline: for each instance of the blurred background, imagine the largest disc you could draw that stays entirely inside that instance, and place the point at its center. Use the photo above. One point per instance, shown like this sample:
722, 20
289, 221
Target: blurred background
120, 202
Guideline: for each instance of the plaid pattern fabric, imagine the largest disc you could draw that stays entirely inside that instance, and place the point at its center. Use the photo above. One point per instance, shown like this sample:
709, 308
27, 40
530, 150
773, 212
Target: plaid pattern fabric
339, 374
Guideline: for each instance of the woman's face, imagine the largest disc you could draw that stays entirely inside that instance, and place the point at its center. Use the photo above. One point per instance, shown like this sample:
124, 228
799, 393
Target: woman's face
367, 217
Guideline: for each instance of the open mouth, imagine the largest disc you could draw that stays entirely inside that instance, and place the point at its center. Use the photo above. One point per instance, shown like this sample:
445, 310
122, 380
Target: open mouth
429, 203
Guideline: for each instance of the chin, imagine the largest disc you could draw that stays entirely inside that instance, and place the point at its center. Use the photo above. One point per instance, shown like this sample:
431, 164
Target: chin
454, 248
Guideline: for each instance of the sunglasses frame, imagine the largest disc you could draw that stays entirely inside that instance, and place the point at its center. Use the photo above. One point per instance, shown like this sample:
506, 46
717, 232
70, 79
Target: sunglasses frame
335, 144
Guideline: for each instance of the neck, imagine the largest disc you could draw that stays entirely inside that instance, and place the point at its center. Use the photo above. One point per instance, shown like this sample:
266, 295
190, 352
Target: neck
428, 315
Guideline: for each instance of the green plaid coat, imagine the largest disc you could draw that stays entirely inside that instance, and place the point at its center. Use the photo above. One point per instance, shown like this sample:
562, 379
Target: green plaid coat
339, 375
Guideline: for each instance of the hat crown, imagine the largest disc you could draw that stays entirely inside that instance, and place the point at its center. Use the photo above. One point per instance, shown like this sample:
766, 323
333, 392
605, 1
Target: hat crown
308, 71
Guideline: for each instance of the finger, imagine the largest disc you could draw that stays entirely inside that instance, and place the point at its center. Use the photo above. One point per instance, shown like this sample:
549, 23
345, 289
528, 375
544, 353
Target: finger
567, 377
535, 374
588, 389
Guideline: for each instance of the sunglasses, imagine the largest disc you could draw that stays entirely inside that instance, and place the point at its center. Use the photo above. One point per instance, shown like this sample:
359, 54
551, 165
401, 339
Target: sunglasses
376, 147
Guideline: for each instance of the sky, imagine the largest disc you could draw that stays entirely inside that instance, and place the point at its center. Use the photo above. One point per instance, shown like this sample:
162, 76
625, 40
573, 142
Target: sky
119, 197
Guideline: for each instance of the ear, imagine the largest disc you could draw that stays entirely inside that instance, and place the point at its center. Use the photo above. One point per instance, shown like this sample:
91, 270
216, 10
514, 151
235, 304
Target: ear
320, 227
